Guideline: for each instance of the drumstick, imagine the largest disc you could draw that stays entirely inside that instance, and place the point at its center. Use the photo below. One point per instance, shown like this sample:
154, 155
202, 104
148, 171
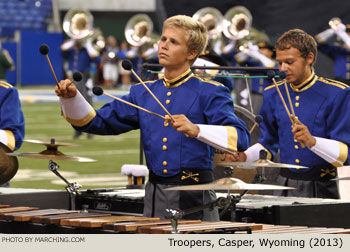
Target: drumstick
99, 91
127, 65
283, 76
258, 120
44, 50
271, 75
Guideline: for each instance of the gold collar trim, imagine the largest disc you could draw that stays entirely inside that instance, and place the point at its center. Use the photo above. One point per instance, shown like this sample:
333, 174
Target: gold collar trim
309, 82
178, 80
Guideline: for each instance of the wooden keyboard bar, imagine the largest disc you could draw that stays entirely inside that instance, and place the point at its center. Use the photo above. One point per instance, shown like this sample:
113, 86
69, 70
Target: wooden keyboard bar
27, 216
68, 221
134, 226
4, 212
43, 218
99, 222
201, 227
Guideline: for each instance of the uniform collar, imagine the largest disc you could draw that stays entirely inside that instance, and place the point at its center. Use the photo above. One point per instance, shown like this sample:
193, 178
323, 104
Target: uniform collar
306, 84
178, 80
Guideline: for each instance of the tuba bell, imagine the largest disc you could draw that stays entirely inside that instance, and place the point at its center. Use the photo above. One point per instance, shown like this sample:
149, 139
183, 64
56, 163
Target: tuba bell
78, 23
237, 23
334, 22
212, 19
138, 30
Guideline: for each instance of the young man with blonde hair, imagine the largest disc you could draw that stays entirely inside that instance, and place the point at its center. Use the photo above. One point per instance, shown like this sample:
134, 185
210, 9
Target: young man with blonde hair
177, 152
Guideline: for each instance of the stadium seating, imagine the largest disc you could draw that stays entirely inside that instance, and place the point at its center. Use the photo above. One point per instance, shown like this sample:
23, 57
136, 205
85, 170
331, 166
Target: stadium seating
23, 15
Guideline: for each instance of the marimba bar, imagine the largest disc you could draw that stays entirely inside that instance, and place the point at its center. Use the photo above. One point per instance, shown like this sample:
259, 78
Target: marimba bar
72, 221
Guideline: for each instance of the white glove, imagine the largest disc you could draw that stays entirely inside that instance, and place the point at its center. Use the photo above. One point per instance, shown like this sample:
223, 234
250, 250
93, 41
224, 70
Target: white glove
229, 47
93, 53
325, 35
150, 53
253, 51
340, 31
132, 53
241, 56
68, 44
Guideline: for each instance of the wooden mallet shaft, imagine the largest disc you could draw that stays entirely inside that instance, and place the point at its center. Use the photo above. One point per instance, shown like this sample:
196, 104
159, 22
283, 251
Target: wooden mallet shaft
99, 91
127, 65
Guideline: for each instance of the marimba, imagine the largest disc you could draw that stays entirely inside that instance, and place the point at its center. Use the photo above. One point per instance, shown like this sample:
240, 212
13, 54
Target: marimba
34, 220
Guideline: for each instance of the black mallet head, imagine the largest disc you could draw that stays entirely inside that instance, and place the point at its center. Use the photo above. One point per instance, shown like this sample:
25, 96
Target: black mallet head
44, 49
271, 74
282, 75
258, 119
77, 76
127, 65
97, 90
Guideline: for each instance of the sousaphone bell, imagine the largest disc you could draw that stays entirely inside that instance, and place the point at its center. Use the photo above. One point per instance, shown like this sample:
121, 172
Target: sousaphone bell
237, 22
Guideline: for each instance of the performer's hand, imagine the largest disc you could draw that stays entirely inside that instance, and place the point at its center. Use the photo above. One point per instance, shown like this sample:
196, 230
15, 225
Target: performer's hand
66, 89
182, 124
302, 134
237, 157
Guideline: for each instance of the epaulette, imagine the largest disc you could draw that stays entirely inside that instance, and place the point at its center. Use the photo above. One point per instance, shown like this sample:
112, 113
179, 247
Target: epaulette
5, 84
209, 81
150, 81
333, 82
279, 83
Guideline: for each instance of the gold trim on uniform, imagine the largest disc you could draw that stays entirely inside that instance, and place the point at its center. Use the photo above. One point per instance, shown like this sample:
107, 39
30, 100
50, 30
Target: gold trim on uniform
190, 175
326, 171
84, 121
309, 82
168, 83
5, 84
208, 81
232, 138
343, 154
334, 83
11, 142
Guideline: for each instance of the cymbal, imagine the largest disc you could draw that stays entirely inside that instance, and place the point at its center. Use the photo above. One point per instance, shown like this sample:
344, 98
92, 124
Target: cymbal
342, 178
8, 165
51, 144
229, 184
51, 155
261, 163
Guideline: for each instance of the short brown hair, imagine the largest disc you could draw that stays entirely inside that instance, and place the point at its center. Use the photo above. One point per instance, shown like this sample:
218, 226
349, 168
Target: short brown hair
300, 40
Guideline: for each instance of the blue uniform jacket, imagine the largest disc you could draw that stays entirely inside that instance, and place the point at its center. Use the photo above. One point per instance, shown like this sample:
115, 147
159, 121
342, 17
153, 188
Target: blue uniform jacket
341, 59
323, 105
79, 60
166, 150
11, 115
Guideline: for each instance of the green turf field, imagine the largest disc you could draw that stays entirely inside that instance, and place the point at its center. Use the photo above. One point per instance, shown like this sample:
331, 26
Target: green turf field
43, 122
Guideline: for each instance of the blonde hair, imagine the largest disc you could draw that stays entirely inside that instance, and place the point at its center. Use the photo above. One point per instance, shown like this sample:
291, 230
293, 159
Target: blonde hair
197, 33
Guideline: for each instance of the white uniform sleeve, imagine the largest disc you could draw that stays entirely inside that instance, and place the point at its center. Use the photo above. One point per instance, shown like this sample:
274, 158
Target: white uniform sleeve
77, 110
332, 151
220, 137
253, 153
